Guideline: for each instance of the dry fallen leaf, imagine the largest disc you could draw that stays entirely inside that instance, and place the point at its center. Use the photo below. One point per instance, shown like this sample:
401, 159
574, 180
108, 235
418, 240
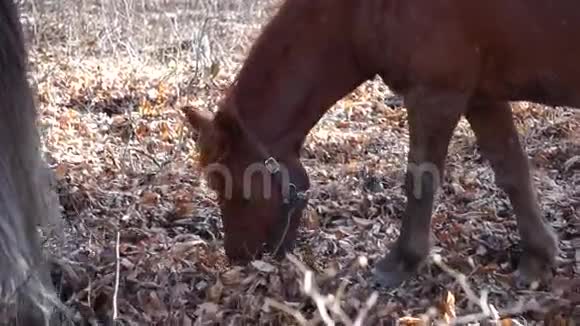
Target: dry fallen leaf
182, 249
146, 108
142, 130
448, 307
207, 308
149, 198
183, 209
573, 162
214, 293
411, 321
152, 304
61, 171
362, 221
506, 322
263, 266
165, 131
233, 276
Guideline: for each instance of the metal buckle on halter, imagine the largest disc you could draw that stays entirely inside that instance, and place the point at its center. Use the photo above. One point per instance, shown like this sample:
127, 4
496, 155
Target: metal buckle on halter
295, 196
272, 165
303, 195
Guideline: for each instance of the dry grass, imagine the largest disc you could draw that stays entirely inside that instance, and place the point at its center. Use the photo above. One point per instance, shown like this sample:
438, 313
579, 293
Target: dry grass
143, 238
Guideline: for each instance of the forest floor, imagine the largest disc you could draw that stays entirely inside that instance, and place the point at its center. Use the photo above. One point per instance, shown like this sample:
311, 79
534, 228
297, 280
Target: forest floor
142, 232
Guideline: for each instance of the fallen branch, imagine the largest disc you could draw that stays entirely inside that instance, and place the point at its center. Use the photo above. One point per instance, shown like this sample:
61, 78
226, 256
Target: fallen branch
328, 305
488, 311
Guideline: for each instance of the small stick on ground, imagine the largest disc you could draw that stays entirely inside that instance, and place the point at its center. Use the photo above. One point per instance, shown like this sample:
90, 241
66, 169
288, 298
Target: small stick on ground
117, 276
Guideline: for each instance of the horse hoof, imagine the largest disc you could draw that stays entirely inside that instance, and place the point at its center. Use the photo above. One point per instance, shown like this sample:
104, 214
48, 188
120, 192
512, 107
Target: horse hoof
523, 281
531, 274
390, 273
390, 279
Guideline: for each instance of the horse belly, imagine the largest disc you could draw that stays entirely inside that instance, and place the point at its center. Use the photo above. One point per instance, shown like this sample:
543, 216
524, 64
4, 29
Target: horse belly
531, 72
549, 89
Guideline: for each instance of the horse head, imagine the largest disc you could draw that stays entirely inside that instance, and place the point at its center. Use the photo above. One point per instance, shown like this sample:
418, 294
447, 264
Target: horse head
261, 197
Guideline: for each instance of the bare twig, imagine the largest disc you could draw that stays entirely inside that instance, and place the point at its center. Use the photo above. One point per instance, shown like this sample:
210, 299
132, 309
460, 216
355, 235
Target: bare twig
290, 311
331, 304
488, 311
369, 304
462, 280
117, 277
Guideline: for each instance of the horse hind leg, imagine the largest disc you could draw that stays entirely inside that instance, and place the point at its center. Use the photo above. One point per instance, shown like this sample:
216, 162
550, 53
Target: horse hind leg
498, 140
27, 295
24, 285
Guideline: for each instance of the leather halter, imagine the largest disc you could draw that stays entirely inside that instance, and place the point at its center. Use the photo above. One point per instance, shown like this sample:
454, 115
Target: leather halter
291, 199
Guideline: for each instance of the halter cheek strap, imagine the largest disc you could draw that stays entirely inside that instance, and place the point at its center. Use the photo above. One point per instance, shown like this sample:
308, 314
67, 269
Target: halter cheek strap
292, 200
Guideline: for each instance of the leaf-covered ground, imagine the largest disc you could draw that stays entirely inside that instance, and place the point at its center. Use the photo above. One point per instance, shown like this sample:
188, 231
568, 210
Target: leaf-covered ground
142, 233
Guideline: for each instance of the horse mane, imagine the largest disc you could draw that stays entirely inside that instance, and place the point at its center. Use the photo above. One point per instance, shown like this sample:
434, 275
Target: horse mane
215, 143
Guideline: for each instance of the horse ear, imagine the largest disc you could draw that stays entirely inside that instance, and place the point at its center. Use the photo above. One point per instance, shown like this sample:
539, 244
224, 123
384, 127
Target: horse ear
211, 137
199, 121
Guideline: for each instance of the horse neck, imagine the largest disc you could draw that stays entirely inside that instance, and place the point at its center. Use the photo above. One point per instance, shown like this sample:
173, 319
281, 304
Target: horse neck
297, 69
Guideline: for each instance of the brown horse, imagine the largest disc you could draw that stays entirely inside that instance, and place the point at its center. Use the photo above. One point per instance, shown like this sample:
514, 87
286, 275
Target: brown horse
27, 296
448, 58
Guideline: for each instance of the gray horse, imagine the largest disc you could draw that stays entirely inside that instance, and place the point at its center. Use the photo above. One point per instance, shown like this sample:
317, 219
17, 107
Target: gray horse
27, 296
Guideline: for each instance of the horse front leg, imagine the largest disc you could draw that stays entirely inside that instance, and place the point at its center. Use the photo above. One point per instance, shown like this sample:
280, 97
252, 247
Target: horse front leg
498, 139
433, 117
